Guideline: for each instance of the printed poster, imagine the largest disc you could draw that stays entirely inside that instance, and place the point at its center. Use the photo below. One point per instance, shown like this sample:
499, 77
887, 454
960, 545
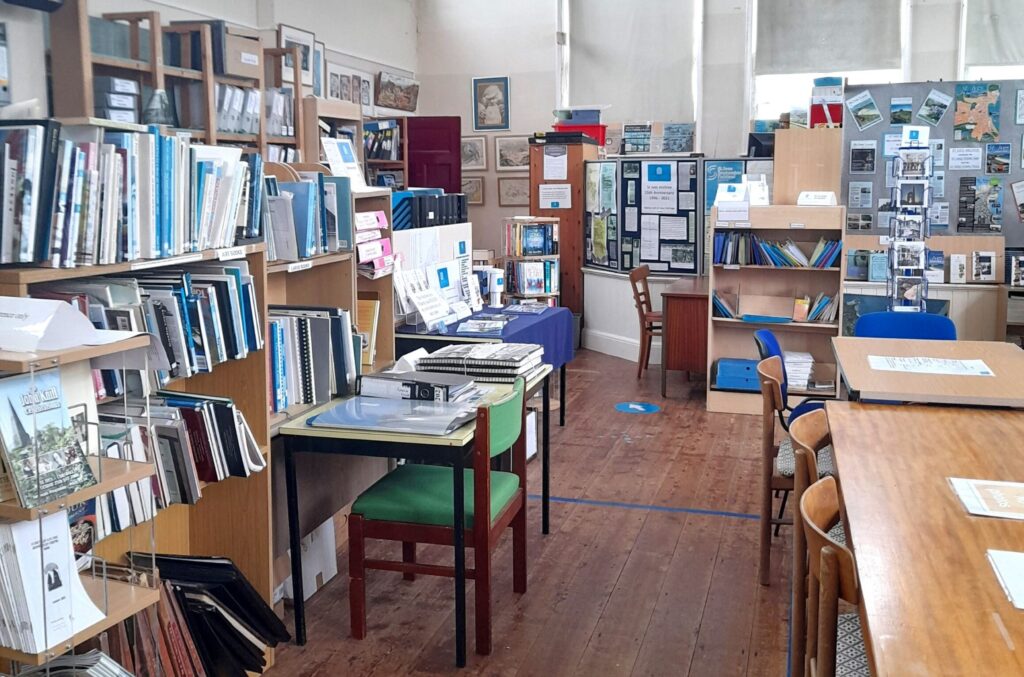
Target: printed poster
1018, 197
649, 237
900, 110
938, 148
891, 145
600, 239
607, 186
864, 110
1020, 107
976, 117
658, 188
997, 158
717, 172
860, 195
862, 156
593, 186
934, 107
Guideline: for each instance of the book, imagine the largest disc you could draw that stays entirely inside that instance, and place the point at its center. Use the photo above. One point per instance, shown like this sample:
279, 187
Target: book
983, 266
500, 355
367, 318
481, 328
935, 266
801, 308
402, 416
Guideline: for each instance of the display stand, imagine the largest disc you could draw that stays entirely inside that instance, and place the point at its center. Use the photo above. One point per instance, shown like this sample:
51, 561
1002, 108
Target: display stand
907, 288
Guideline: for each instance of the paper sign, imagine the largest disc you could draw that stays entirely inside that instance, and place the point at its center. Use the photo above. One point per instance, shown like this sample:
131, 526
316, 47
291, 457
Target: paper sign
649, 237
734, 211
555, 195
631, 219
674, 228
930, 365
658, 188
342, 159
989, 498
964, 158
687, 201
29, 325
556, 163
891, 145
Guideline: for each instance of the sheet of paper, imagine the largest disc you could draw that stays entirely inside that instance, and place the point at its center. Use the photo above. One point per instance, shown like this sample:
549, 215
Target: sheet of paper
593, 186
687, 201
990, 498
555, 195
964, 158
658, 188
28, 325
930, 365
891, 145
1009, 570
861, 195
937, 182
649, 237
674, 228
631, 219
608, 186
733, 211
556, 162
938, 148
938, 214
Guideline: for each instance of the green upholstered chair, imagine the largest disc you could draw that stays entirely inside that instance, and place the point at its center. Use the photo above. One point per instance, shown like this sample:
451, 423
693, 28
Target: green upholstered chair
413, 504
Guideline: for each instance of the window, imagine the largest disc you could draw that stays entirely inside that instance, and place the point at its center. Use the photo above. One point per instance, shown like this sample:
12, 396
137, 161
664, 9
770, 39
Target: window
777, 94
991, 45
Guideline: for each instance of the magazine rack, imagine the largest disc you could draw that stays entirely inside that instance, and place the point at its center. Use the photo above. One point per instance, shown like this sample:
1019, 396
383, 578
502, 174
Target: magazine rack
907, 287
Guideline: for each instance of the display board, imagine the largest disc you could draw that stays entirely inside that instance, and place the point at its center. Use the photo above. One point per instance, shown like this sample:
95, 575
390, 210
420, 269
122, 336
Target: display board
601, 215
977, 185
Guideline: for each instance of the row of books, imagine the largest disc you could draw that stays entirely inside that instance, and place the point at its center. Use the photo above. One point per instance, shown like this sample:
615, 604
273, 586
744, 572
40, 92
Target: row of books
238, 109
133, 196
532, 277
531, 239
279, 108
374, 255
424, 207
314, 354
382, 140
738, 248
824, 308
307, 217
486, 362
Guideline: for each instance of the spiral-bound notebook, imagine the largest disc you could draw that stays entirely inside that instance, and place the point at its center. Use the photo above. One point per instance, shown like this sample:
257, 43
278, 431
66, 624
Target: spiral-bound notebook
401, 416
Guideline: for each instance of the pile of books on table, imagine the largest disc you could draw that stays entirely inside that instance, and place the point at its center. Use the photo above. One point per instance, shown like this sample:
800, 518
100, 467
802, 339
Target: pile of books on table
487, 362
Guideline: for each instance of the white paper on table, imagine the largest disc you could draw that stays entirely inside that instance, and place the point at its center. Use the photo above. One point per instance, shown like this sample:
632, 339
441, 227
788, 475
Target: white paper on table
556, 162
649, 237
990, 498
631, 219
28, 325
930, 365
964, 158
1009, 570
409, 361
461, 310
674, 228
555, 195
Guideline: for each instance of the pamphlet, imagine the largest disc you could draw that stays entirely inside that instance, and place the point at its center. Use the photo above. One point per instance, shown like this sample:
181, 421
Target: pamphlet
990, 498
930, 365
1009, 568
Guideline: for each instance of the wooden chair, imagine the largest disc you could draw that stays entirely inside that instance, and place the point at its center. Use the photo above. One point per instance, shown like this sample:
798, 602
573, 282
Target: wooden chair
650, 322
413, 504
778, 462
835, 643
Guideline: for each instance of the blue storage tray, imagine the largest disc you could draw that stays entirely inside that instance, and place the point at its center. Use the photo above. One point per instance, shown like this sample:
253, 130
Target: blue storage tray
736, 374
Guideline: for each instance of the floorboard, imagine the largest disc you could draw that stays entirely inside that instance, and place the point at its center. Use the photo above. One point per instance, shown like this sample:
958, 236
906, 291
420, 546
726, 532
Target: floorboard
650, 567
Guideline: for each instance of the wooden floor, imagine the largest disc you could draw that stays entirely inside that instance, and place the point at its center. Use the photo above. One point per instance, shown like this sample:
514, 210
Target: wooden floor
650, 567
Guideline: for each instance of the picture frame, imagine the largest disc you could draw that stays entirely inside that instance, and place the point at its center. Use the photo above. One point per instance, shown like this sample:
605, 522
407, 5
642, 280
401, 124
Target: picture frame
491, 110
356, 88
289, 36
397, 92
319, 68
514, 191
363, 94
473, 187
474, 153
511, 153
336, 75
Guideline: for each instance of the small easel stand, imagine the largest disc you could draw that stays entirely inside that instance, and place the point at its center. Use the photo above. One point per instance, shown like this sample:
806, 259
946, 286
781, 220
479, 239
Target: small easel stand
908, 230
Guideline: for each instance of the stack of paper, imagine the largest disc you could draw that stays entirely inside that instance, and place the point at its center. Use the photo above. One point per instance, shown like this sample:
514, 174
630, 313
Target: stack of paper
798, 369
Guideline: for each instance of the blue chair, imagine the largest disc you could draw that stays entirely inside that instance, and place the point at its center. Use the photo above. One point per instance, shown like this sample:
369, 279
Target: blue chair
894, 325
768, 346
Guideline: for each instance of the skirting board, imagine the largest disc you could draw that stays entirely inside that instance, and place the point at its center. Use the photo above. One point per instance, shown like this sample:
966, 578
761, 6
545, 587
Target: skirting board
619, 346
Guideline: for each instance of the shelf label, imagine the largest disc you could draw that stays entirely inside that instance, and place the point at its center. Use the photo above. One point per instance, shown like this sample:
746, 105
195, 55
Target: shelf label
742, 224
230, 253
299, 265
170, 261
249, 59
884, 240
796, 225
732, 266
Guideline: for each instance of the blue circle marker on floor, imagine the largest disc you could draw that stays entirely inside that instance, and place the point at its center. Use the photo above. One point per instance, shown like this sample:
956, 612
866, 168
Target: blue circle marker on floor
637, 408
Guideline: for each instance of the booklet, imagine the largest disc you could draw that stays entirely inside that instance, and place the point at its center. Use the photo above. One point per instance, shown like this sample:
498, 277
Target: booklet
989, 498
1009, 568
417, 417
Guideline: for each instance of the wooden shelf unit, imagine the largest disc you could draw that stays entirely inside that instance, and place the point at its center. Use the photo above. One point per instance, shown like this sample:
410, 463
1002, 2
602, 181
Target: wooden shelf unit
379, 199
337, 112
22, 363
734, 338
375, 166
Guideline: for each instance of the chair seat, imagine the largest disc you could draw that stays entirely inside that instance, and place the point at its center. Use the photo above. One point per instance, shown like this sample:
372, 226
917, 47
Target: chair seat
785, 461
805, 406
851, 656
422, 494
837, 533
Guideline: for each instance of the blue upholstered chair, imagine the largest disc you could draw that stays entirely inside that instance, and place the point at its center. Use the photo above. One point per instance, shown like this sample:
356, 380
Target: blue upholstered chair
768, 346
894, 325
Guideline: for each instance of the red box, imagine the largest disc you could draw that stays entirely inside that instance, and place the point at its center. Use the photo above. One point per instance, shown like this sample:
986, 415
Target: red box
596, 132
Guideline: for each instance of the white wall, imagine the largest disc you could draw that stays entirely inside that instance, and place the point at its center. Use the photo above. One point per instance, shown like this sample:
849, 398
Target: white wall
612, 326
25, 60
460, 40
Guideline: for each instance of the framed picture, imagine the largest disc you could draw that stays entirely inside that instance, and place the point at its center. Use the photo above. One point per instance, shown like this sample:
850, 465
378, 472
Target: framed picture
363, 93
474, 153
490, 104
514, 192
335, 91
511, 153
319, 68
288, 36
397, 91
473, 187
356, 89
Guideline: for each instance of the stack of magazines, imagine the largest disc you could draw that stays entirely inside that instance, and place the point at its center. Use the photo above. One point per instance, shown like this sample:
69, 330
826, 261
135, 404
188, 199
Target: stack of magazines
526, 308
95, 663
486, 362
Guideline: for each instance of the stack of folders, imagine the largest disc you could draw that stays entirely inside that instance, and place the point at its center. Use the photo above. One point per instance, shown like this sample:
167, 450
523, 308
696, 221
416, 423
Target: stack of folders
486, 362
204, 314
382, 140
824, 308
314, 355
308, 217
736, 248
280, 112
417, 385
531, 239
532, 277
373, 245
238, 109
132, 196
424, 207
213, 621
94, 663
722, 305
198, 438
799, 369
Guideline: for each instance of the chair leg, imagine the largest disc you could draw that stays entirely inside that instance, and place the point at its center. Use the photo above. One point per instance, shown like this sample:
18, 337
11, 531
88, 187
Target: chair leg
356, 576
409, 557
647, 352
519, 550
482, 593
641, 362
782, 510
766, 521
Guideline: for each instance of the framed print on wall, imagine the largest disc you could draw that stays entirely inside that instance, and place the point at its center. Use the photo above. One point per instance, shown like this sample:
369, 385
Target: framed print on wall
511, 153
335, 90
473, 187
397, 92
319, 68
490, 104
288, 36
514, 191
474, 153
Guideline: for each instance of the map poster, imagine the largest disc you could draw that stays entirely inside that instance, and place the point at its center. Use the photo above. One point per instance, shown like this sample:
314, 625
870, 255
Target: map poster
976, 116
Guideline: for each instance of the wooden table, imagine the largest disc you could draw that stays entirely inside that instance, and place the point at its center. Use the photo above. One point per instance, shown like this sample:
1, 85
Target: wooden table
684, 341
1005, 389
930, 601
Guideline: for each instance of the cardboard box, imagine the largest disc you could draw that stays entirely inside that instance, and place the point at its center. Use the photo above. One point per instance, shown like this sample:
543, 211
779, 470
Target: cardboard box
107, 83
242, 53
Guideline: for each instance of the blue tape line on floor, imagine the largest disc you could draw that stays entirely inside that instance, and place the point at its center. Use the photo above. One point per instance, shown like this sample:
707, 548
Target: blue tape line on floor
641, 506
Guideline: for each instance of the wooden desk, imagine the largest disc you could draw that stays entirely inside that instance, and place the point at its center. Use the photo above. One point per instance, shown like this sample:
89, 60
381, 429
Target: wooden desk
684, 341
930, 601
453, 448
1005, 389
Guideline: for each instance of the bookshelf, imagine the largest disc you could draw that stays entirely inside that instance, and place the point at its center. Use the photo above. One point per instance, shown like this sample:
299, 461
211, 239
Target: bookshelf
514, 241
734, 338
332, 113
383, 288
375, 166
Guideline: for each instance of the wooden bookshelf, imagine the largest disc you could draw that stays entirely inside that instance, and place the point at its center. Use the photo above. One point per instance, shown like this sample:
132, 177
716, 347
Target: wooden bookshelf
383, 288
376, 166
734, 338
336, 112
22, 363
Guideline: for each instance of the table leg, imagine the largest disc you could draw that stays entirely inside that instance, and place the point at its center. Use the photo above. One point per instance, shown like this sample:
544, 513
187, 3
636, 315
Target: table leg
664, 374
294, 541
561, 397
460, 560
546, 461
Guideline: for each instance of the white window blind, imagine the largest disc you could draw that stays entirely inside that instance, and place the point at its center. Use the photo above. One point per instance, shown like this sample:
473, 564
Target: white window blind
635, 56
824, 36
994, 30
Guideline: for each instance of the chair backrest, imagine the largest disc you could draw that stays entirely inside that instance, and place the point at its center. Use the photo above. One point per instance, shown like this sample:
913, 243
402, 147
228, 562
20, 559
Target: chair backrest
500, 423
641, 290
768, 346
891, 324
769, 375
810, 434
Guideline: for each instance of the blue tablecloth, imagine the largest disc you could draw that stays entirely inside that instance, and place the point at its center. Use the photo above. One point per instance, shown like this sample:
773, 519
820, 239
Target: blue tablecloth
551, 329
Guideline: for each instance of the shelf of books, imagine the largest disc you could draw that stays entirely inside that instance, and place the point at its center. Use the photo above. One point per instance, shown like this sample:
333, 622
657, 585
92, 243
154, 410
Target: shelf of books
333, 119
782, 270
532, 258
386, 152
374, 282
